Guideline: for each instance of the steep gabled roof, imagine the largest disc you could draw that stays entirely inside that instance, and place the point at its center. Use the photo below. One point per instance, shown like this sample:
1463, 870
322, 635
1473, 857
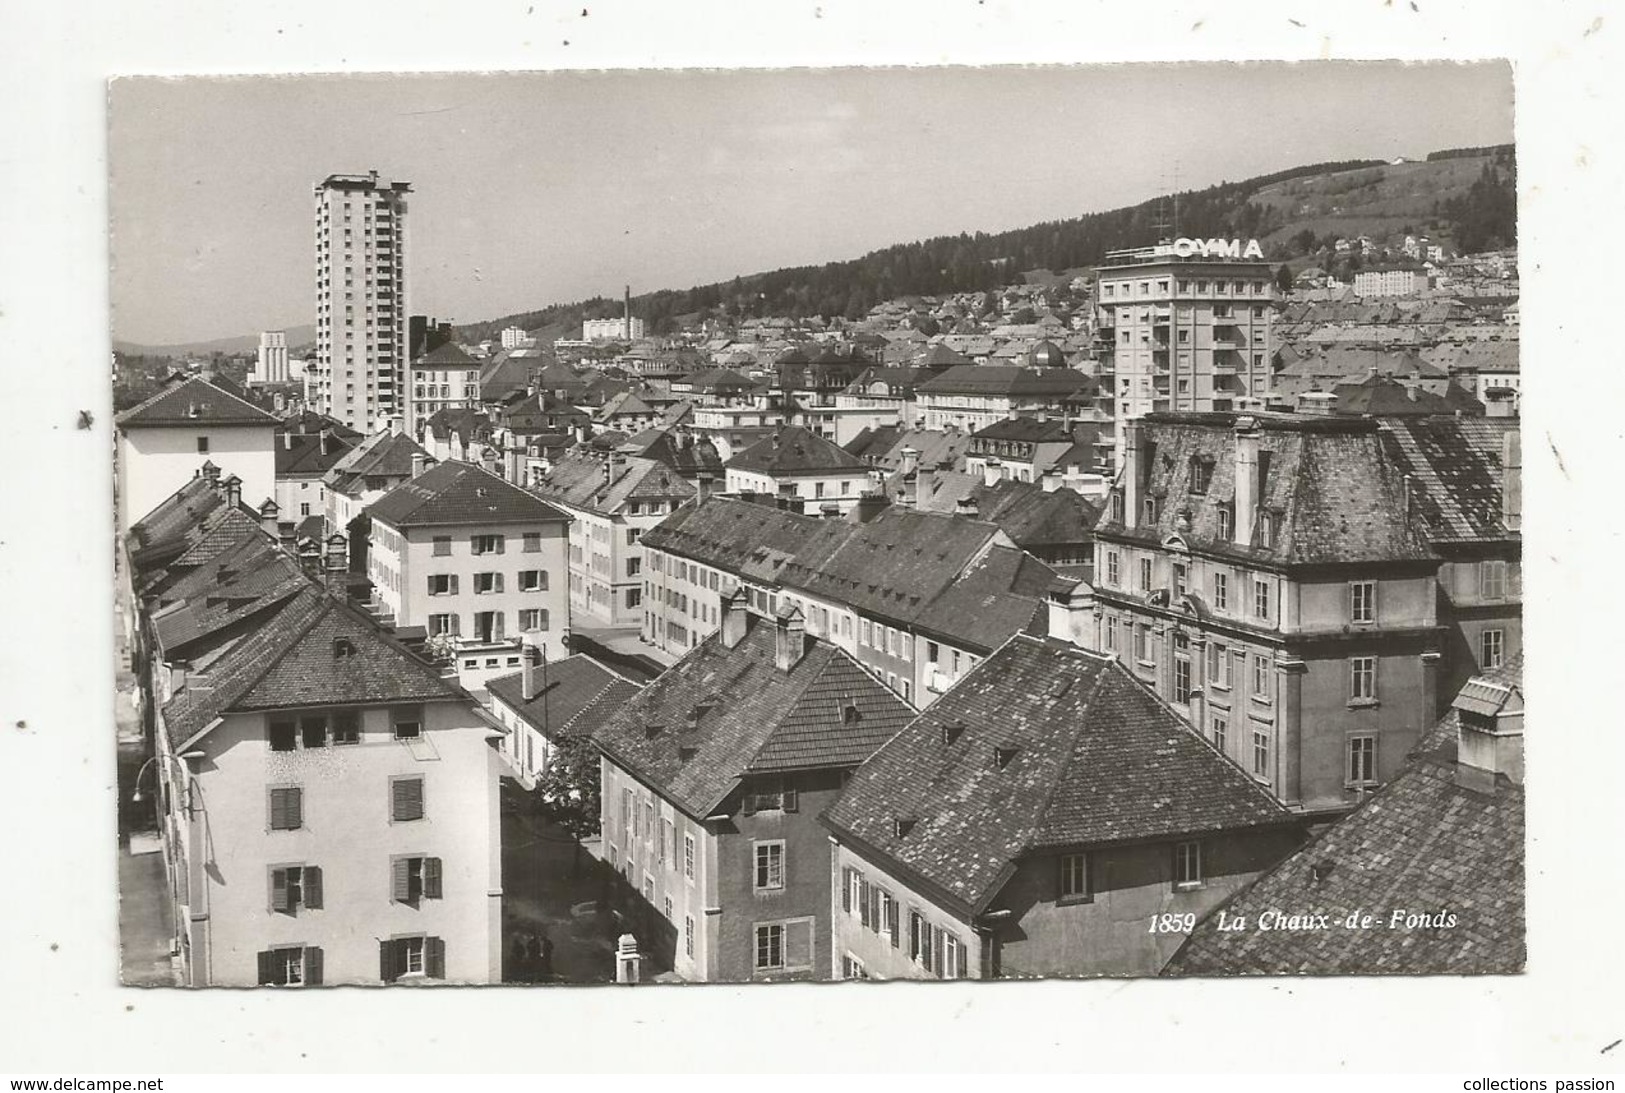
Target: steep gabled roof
989, 379
1457, 463
752, 718
194, 401
1091, 757
594, 482
384, 454
574, 696
455, 493
795, 450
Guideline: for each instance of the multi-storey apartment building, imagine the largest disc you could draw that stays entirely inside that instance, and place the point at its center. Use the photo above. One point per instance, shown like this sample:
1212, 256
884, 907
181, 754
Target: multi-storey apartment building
468, 556
327, 803
612, 500
361, 299
800, 467
970, 397
445, 378
1464, 478
163, 441
713, 777
1041, 819
1260, 572
917, 598
1184, 334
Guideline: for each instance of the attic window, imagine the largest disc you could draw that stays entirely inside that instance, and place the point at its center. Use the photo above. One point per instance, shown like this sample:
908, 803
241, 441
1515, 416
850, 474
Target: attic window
850, 714
686, 753
904, 825
653, 729
951, 731
1201, 474
343, 647
1003, 755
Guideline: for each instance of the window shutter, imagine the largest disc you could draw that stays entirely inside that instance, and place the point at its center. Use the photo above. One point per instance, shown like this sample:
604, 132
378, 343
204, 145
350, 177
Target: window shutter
496, 624
863, 902
313, 966
399, 881
454, 591
454, 627
846, 889
893, 912
499, 582
434, 955
502, 544
313, 887
279, 810
296, 812
267, 968
279, 890
386, 961
431, 878
790, 801
407, 798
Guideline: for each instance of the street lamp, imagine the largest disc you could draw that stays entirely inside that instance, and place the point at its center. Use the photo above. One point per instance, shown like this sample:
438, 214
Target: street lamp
137, 798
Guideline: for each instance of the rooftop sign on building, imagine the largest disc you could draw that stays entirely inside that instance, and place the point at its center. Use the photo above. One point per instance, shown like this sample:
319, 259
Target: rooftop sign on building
1190, 248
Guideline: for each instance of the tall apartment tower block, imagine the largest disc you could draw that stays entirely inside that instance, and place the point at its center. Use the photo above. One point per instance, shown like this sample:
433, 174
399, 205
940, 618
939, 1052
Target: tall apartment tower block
1184, 334
361, 306
272, 366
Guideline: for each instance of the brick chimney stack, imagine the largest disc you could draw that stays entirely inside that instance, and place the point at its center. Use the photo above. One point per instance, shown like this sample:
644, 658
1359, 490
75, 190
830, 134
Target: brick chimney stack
790, 643
1247, 437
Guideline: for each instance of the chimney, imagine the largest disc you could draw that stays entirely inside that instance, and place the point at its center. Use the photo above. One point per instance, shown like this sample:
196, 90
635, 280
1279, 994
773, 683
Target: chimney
703, 487
966, 506
1316, 403
395, 425
287, 440
513, 468
791, 643
327, 440
287, 536
869, 506
1071, 612
529, 686
177, 676
420, 463
1051, 480
735, 610
1512, 480
627, 319
337, 553
1247, 438
268, 516
992, 471
1489, 739
1133, 458
210, 471
234, 491
911, 460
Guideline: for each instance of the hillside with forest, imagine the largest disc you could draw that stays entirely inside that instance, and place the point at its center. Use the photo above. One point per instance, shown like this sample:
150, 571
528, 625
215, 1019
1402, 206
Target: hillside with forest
1465, 198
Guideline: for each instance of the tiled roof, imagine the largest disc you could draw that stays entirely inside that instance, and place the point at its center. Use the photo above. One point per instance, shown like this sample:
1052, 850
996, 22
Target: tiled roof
1337, 497
237, 584
737, 536
460, 493
1025, 511
1003, 594
1097, 759
468, 423
384, 454
308, 454
449, 355
753, 717
1028, 429
574, 696
1381, 396
1005, 380
938, 450
194, 402
1422, 843
594, 482
795, 450
1342, 361
1456, 465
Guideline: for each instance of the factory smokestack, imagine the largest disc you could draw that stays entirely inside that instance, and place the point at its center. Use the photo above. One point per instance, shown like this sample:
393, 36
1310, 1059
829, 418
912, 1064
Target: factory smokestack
627, 318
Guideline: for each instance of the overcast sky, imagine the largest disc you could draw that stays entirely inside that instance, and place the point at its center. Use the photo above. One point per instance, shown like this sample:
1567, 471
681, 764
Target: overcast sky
536, 189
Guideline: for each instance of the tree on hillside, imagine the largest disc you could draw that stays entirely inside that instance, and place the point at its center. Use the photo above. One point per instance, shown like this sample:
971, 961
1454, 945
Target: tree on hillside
1283, 278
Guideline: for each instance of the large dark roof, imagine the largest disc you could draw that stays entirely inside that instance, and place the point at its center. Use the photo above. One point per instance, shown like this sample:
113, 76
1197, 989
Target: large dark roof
460, 493
1098, 760
308, 454
384, 454
1381, 396
194, 401
752, 718
1422, 843
606, 483
239, 582
449, 355
1337, 497
1456, 465
574, 696
1028, 429
795, 450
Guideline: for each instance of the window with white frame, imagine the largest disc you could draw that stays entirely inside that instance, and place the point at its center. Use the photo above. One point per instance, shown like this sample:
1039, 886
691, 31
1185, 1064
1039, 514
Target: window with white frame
486, 544
769, 871
1111, 634
1218, 664
688, 936
1261, 753
688, 856
1221, 591
1363, 679
1113, 572
487, 583
1491, 648
1219, 730
442, 584
1362, 760
1187, 864
1261, 599
1145, 574
1492, 580
533, 580
1261, 676
1075, 877
770, 947
1363, 601
533, 618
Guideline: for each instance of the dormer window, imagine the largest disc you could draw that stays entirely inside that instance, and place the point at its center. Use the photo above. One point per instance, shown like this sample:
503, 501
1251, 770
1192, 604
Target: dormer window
951, 731
1002, 756
342, 648
1227, 522
904, 825
1117, 506
1150, 510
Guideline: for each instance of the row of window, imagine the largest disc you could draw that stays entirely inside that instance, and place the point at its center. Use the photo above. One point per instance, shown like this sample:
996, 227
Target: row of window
489, 544
1109, 289
334, 728
488, 625
529, 580
935, 950
296, 888
285, 804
